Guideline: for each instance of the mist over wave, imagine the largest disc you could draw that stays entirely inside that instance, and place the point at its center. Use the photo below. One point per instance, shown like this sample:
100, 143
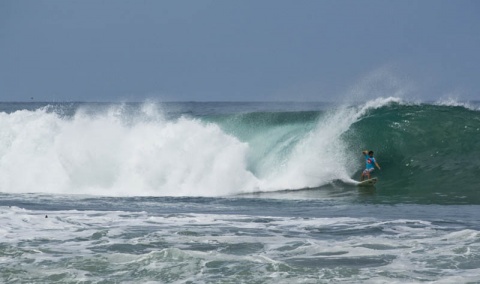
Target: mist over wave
119, 152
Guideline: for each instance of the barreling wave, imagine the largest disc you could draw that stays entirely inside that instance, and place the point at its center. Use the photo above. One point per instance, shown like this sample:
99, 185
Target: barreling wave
428, 152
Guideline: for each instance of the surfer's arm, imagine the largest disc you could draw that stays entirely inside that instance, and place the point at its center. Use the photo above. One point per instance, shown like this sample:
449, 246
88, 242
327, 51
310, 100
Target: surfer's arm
376, 164
365, 152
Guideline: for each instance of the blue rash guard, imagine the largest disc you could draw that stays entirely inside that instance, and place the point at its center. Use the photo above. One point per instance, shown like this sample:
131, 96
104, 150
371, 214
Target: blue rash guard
369, 162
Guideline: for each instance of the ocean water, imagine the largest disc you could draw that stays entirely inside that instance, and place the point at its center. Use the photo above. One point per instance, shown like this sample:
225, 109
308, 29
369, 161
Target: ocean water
239, 192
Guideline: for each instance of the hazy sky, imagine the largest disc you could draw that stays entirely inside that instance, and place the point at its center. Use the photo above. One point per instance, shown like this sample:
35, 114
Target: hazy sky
112, 50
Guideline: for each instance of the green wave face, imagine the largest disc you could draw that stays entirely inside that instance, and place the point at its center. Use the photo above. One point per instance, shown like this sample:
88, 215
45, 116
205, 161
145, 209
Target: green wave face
271, 136
430, 154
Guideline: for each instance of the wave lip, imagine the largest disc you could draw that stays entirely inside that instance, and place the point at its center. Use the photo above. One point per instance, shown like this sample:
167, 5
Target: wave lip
452, 102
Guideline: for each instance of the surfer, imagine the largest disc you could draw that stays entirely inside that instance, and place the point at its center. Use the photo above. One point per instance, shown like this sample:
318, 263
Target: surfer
369, 161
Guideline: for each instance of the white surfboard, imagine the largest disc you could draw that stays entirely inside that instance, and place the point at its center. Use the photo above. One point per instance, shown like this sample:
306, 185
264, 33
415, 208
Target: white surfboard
368, 182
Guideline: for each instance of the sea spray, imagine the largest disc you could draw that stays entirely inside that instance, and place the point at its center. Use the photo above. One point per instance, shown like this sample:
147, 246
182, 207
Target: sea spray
322, 156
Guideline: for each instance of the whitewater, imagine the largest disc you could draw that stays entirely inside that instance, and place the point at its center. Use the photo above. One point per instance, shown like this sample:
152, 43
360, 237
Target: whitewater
239, 192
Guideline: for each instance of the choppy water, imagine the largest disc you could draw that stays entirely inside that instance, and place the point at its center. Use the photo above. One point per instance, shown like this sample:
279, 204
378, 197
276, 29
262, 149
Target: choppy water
238, 193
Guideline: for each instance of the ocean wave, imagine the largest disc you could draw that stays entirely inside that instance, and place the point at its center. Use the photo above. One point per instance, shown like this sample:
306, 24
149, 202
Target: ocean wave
430, 151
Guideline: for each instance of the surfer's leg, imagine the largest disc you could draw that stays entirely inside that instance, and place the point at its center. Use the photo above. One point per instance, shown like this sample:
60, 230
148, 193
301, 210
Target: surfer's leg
368, 173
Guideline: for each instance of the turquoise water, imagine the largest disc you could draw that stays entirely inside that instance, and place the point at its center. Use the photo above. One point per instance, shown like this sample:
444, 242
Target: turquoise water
238, 193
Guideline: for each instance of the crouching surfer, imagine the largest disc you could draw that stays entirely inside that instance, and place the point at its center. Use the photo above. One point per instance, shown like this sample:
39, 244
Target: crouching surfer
369, 162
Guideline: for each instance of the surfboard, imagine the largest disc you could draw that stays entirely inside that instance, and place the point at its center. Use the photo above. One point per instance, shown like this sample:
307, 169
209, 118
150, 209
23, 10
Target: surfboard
368, 182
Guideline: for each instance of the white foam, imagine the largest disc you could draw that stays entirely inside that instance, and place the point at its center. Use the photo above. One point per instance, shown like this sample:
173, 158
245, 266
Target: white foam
407, 249
105, 154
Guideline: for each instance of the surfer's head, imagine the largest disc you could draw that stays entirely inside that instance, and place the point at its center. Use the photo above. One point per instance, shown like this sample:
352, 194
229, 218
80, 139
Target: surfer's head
370, 153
